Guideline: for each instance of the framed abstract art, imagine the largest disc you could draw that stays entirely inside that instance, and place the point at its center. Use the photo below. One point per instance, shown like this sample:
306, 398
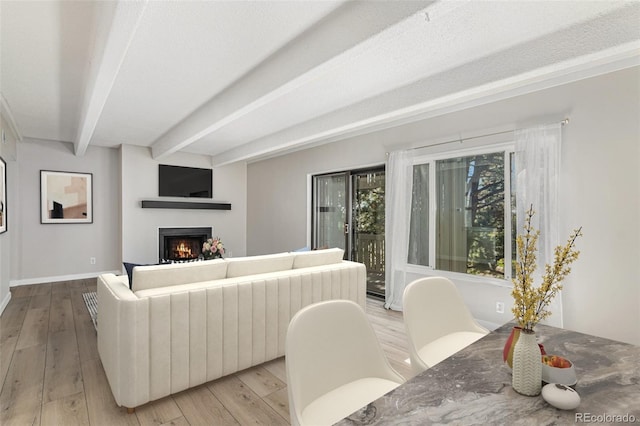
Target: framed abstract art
66, 197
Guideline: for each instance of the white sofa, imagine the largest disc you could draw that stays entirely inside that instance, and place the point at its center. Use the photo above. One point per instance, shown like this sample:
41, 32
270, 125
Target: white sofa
182, 325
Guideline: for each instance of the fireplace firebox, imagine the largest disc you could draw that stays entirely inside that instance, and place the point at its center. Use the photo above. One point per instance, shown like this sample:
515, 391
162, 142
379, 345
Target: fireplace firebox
181, 244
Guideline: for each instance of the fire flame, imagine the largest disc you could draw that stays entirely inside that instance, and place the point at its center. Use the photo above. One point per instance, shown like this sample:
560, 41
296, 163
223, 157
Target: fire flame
183, 251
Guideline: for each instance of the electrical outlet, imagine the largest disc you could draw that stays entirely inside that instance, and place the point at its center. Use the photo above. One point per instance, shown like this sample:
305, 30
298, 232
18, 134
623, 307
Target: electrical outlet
92, 260
500, 307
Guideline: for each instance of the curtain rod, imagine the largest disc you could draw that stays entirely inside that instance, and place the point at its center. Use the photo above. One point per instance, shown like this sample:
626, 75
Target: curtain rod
562, 123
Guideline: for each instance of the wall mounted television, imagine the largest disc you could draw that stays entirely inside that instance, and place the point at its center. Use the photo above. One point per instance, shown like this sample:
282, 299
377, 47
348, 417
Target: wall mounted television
178, 181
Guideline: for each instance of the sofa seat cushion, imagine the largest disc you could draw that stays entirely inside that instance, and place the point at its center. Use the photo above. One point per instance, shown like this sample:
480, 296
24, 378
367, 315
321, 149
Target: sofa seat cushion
252, 265
154, 276
339, 403
308, 259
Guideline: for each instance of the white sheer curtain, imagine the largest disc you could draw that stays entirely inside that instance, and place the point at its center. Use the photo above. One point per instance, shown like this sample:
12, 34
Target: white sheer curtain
397, 219
537, 164
537, 167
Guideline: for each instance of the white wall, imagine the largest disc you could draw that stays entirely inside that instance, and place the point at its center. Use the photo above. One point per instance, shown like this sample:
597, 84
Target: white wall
600, 190
51, 252
8, 154
277, 192
121, 229
140, 226
601, 166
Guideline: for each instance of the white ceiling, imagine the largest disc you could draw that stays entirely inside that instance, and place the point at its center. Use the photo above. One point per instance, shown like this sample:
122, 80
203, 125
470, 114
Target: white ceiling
242, 80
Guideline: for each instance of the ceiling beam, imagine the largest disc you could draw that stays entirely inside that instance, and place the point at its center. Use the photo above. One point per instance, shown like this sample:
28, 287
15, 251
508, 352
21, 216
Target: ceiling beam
313, 53
384, 111
112, 43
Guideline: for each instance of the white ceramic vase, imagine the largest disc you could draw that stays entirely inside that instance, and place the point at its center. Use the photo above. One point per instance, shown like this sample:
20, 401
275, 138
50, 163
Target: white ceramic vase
527, 365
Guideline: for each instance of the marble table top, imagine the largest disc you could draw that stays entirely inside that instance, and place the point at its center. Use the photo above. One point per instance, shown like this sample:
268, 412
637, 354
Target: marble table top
474, 386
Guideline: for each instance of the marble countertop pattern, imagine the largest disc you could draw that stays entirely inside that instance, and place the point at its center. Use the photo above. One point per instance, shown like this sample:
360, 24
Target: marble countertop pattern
474, 386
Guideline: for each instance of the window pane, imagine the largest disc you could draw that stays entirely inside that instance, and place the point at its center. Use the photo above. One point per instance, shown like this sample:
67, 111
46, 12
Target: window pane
470, 218
330, 210
368, 226
419, 226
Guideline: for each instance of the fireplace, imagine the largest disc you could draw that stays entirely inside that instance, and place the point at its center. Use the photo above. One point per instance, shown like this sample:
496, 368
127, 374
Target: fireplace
181, 244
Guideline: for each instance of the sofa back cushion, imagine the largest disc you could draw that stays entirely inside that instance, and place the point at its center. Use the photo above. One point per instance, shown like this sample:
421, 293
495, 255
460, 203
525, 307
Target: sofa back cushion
242, 266
308, 259
154, 276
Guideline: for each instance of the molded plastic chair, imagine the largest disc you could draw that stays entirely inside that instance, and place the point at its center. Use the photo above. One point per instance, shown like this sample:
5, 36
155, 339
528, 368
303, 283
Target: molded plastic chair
334, 363
437, 322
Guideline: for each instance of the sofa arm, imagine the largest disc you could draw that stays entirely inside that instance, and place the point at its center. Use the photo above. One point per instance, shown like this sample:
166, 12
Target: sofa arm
123, 340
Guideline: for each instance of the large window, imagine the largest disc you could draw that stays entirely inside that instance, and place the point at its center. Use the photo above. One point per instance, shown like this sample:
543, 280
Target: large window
460, 209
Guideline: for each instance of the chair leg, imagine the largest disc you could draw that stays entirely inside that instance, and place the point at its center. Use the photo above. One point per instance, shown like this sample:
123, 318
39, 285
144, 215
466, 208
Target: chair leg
131, 410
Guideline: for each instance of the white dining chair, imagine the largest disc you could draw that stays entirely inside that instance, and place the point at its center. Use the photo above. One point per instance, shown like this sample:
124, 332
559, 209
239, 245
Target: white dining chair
437, 322
334, 363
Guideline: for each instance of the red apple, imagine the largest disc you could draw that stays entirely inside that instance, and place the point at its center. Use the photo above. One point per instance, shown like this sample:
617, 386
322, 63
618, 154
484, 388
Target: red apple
556, 361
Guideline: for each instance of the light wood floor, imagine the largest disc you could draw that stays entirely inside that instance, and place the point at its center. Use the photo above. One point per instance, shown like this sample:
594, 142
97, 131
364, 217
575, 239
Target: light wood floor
51, 373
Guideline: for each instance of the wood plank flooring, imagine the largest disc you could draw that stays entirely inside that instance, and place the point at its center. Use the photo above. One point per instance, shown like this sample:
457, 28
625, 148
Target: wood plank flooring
51, 373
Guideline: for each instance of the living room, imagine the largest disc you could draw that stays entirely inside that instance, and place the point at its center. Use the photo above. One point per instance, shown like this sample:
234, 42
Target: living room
270, 194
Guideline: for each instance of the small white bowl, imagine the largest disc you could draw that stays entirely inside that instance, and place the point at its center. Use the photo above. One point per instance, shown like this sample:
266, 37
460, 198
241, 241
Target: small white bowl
564, 376
561, 396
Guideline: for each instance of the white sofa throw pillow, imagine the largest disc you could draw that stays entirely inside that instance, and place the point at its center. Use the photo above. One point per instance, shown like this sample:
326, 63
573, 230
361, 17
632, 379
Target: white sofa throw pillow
308, 259
241, 266
154, 276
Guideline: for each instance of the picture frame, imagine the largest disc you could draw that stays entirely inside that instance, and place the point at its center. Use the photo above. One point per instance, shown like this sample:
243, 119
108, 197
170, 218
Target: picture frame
3, 196
66, 197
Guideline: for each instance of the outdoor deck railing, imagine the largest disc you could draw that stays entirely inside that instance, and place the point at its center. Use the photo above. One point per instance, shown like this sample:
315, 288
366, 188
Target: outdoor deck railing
370, 251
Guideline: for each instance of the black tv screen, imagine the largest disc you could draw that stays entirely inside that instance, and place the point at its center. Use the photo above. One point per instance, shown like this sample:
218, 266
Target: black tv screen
177, 181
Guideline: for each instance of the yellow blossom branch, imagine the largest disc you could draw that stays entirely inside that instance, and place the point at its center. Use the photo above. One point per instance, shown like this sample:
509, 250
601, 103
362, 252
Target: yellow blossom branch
530, 304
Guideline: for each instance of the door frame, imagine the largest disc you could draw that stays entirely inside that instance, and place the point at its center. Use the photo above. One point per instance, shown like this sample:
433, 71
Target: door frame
311, 194
326, 172
350, 175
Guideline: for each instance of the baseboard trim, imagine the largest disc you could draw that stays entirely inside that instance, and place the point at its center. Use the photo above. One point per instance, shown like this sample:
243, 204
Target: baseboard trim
5, 302
43, 280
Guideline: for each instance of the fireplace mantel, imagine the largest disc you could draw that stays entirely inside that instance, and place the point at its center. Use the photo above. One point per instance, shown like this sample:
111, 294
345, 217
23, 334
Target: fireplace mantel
158, 204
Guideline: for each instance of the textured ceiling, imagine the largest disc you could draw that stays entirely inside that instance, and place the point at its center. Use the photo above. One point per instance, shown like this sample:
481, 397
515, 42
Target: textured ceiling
245, 80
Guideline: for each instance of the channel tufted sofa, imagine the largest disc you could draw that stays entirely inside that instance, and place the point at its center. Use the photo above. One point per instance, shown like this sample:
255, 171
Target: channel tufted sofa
182, 325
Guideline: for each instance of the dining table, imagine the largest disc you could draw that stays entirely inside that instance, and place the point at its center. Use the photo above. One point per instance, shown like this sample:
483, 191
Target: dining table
473, 386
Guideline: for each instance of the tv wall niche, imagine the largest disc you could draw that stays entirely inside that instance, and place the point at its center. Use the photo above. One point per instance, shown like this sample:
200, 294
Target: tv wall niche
187, 182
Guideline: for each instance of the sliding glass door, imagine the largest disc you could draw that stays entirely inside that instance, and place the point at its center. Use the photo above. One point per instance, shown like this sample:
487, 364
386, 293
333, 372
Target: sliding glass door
348, 212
